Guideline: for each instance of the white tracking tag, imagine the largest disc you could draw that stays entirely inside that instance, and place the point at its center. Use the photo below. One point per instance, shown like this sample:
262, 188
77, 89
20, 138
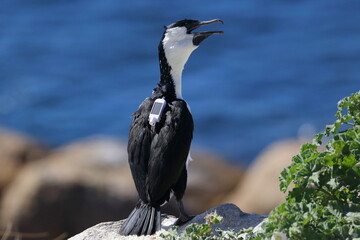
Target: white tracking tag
156, 111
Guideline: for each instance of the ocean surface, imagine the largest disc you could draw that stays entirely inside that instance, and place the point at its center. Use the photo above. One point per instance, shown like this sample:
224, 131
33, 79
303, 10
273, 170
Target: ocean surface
76, 68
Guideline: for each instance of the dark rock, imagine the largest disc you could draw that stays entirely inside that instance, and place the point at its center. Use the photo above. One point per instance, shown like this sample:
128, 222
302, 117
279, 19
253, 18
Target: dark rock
233, 218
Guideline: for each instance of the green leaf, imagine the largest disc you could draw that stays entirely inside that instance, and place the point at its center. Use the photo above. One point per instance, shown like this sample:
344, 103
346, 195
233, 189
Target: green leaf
349, 161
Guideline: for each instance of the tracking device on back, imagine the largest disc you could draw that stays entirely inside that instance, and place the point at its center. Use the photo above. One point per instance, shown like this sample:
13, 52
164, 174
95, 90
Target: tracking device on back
156, 111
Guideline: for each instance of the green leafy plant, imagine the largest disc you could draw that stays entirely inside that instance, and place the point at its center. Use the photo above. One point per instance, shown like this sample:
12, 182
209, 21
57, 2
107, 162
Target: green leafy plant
195, 231
324, 202
203, 231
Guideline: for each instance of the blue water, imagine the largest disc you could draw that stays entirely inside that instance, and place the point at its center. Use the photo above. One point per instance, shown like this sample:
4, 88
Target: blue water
71, 69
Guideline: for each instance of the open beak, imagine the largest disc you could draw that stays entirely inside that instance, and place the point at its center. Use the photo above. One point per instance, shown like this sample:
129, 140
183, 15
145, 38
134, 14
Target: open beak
201, 36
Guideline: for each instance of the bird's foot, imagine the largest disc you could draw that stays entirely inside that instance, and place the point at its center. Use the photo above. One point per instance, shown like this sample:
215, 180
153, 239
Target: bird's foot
183, 219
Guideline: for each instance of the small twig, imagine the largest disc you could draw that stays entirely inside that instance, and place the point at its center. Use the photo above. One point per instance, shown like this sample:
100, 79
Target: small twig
331, 195
7, 234
17, 237
61, 236
348, 123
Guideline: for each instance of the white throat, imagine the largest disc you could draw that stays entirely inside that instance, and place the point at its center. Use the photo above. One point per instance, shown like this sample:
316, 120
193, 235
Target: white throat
178, 45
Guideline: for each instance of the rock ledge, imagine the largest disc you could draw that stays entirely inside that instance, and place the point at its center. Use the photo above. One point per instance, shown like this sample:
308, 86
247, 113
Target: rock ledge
234, 219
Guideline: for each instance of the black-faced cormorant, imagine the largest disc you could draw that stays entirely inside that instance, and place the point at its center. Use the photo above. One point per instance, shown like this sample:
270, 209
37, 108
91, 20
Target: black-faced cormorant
161, 132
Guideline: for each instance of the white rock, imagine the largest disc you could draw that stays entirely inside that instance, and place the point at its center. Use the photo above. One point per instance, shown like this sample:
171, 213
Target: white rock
233, 219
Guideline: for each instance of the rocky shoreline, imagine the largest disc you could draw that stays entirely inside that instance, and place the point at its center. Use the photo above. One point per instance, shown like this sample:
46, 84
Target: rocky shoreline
233, 219
60, 192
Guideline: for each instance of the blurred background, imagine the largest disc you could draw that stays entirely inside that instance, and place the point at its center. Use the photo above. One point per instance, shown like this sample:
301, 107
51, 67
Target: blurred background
70, 70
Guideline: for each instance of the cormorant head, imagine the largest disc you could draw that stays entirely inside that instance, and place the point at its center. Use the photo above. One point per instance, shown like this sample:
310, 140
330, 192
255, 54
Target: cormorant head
179, 40
181, 30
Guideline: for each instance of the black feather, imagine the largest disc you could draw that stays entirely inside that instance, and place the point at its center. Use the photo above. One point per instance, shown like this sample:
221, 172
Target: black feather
143, 220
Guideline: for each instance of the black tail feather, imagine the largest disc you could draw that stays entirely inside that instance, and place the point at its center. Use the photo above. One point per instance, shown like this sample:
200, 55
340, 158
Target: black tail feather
143, 220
